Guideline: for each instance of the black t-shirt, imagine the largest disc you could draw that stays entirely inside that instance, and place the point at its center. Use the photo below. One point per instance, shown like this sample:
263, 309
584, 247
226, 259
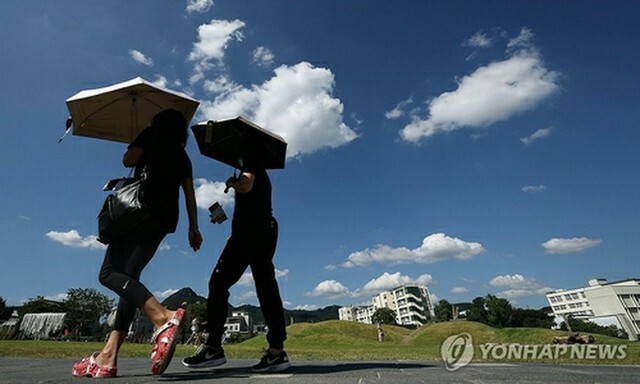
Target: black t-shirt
167, 165
254, 207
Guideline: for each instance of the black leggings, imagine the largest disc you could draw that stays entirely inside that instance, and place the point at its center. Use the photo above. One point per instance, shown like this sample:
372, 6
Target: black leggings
254, 247
124, 261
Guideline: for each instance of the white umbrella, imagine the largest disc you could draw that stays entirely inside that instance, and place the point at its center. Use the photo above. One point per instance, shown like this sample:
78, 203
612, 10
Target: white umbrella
120, 111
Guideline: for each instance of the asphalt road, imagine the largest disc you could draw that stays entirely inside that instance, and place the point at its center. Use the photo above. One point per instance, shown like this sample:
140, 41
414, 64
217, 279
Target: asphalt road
19, 371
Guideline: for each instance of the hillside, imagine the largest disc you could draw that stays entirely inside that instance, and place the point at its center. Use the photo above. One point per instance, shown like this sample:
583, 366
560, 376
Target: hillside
187, 295
344, 340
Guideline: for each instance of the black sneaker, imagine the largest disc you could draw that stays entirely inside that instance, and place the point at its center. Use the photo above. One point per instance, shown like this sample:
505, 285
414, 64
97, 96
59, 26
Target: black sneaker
205, 357
272, 363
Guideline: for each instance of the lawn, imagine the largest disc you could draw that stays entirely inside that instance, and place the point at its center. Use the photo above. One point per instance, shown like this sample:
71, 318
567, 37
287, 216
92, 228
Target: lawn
341, 340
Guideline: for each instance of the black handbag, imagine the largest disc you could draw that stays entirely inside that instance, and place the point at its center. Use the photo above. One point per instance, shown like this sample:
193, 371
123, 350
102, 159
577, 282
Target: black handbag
124, 209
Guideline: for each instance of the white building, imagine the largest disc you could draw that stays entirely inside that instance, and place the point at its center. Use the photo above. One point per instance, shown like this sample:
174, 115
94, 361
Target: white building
410, 302
620, 299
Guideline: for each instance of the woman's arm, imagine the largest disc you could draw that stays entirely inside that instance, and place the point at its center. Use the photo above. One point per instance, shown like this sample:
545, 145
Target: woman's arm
242, 183
195, 238
132, 156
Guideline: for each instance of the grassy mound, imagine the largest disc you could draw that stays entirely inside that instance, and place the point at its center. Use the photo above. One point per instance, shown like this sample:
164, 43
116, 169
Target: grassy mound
343, 340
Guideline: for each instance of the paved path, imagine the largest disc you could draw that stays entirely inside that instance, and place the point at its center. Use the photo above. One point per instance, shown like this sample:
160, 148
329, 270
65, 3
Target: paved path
23, 371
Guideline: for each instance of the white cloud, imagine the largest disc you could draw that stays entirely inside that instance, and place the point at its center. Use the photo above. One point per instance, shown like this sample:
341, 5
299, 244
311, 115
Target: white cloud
213, 39
492, 93
330, 288
435, 247
389, 281
263, 57
517, 285
459, 290
306, 307
534, 188
573, 245
199, 6
247, 277
73, 239
296, 103
208, 192
161, 295
537, 135
478, 40
399, 110
508, 281
140, 57
330, 267
160, 81
59, 297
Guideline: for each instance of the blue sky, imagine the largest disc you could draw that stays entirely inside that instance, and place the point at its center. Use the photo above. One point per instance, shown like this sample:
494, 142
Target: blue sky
476, 147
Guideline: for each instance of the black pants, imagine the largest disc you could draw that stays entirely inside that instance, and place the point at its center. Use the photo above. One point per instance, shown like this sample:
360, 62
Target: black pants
123, 263
254, 247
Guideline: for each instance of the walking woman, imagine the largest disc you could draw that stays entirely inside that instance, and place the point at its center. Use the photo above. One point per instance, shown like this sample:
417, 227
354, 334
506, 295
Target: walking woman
159, 152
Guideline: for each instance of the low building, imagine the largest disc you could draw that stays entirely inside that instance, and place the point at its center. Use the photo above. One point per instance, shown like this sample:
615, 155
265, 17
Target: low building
238, 323
601, 299
410, 302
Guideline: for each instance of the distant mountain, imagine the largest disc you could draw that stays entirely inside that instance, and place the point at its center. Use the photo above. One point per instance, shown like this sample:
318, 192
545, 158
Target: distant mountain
187, 295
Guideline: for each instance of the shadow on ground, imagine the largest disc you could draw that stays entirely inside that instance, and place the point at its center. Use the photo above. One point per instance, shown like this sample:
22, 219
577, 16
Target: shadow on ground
299, 368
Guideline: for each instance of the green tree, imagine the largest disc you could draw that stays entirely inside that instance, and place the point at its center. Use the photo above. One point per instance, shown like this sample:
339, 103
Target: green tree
85, 307
442, 311
531, 318
478, 311
384, 316
4, 310
499, 312
39, 305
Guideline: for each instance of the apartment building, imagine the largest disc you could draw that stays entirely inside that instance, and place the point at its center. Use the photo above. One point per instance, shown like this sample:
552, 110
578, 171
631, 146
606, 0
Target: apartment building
410, 302
600, 299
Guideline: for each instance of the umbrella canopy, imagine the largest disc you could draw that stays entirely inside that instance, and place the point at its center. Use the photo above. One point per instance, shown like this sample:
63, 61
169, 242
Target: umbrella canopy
225, 141
120, 111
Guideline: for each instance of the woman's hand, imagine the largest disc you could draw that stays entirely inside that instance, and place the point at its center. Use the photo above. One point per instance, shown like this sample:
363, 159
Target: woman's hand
195, 238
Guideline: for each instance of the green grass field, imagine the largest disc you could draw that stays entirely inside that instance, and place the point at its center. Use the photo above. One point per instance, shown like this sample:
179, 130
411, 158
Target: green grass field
341, 340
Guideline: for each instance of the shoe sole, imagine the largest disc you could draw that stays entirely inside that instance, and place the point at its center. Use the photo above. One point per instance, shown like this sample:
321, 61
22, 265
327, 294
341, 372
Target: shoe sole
273, 368
206, 364
167, 359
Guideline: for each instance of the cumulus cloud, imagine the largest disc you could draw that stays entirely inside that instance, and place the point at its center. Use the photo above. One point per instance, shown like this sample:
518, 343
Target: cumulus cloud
389, 281
534, 188
492, 93
208, 192
537, 135
213, 38
517, 285
73, 239
435, 247
296, 103
262, 57
573, 245
459, 290
330, 288
199, 6
140, 57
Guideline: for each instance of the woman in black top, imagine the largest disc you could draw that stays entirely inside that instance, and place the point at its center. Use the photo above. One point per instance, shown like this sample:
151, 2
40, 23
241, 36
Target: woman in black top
159, 150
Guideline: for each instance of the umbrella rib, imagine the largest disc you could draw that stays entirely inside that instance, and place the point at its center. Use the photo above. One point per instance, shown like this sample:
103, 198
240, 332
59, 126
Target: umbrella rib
99, 109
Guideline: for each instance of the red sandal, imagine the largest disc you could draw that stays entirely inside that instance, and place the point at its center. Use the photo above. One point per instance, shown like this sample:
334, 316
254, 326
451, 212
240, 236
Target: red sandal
88, 367
164, 343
